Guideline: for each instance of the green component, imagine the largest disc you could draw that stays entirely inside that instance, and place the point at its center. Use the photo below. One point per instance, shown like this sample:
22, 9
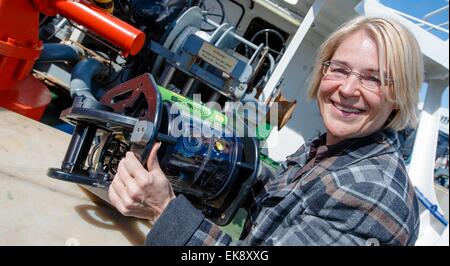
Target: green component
268, 161
198, 110
263, 131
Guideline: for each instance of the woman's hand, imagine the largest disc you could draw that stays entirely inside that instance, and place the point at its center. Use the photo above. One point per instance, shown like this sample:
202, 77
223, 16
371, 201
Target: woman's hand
138, 192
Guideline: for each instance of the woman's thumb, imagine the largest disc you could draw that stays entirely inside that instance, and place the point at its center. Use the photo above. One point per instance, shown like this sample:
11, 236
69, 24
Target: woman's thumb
152, 161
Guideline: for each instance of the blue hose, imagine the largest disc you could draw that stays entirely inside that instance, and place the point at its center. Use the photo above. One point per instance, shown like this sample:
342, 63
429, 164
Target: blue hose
58, 52
82, 74
433, 208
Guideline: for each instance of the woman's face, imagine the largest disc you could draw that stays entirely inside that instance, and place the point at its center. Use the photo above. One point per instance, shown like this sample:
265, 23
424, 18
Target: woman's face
348, 109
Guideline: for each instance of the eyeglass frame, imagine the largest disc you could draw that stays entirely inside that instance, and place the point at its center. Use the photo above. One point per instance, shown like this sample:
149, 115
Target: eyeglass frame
388, 81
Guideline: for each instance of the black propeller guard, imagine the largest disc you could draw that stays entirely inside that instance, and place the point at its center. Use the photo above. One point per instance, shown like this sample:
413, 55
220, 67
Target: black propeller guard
118, 111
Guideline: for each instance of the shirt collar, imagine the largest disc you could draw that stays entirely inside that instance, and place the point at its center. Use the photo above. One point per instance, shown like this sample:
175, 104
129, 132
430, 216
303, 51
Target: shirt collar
312, 146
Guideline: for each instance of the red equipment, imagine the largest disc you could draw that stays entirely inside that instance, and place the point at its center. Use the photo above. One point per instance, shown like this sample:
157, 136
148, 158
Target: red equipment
20, 46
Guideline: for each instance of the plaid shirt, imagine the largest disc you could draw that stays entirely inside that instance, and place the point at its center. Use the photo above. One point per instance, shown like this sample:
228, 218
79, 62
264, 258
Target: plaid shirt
357, 194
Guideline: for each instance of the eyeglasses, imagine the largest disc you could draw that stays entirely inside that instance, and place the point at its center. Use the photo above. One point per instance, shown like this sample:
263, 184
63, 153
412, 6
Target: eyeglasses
337, 71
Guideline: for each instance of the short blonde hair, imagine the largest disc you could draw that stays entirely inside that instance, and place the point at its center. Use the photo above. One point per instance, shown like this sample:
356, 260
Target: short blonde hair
399, 57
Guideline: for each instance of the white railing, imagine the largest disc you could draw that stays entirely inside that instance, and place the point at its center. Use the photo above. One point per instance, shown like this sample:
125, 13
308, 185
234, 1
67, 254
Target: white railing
425, 21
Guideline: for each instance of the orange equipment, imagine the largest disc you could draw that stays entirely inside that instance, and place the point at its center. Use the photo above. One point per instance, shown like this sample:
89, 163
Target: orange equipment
20, 46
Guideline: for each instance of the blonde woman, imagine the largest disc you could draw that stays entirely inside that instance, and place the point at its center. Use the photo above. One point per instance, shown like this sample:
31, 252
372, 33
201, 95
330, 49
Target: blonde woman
347, 187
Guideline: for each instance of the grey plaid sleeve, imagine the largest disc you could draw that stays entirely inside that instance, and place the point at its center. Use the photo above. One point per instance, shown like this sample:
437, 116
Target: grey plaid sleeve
182, 224
176, 224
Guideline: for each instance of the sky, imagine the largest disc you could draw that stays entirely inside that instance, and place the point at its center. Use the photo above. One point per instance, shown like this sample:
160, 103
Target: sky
418, 9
